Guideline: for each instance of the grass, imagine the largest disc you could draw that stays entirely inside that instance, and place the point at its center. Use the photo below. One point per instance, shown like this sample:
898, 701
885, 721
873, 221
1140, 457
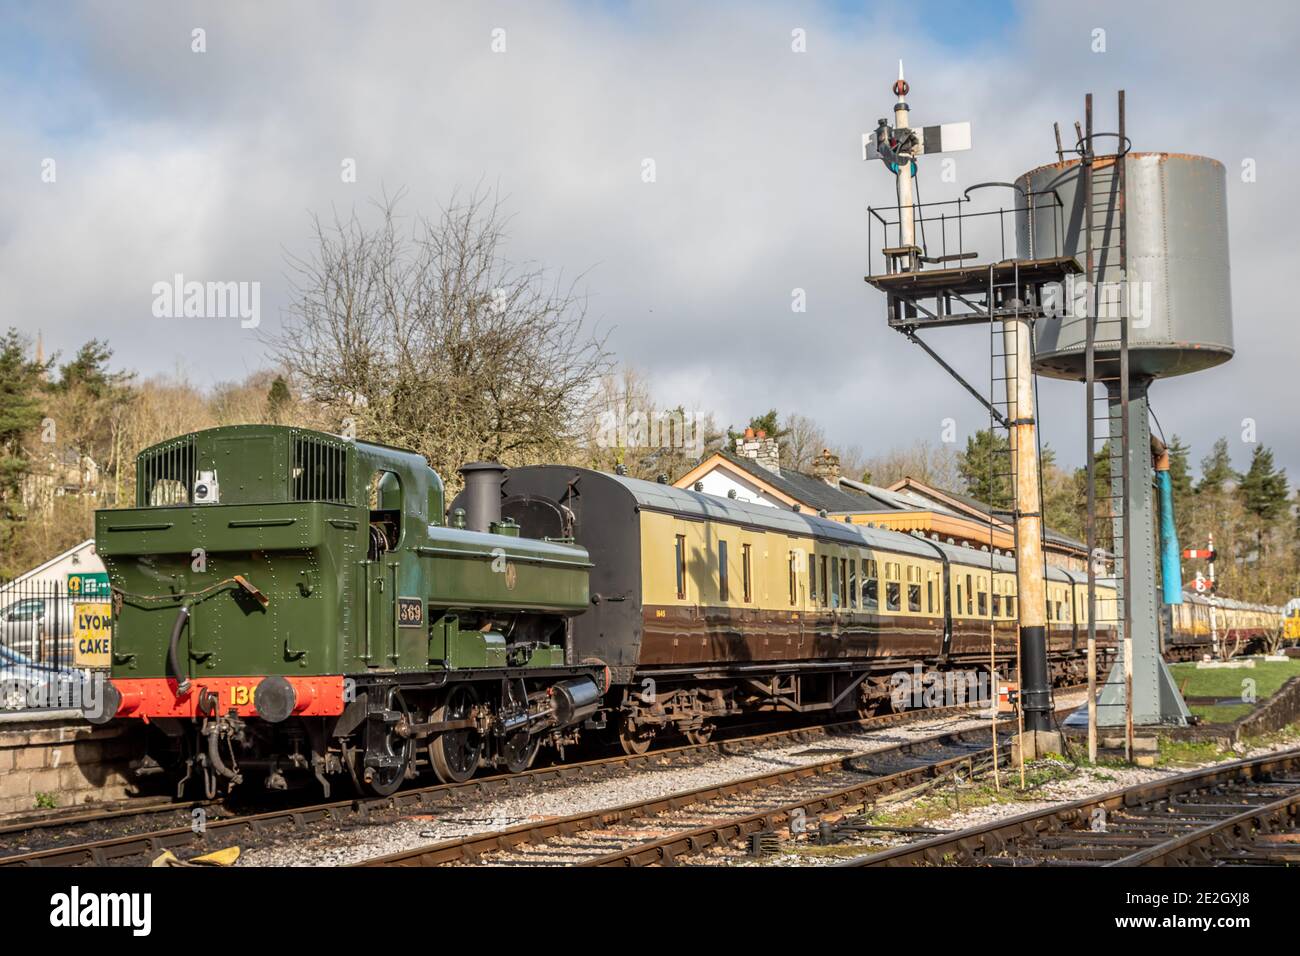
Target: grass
46, 801
1268, 677
1220, 713
946, 801
1187, 753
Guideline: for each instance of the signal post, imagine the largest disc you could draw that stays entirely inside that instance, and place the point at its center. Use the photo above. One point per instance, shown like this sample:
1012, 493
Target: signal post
1006, 296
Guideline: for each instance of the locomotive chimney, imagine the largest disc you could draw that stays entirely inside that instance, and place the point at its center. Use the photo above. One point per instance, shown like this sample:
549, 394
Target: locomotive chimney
482, 494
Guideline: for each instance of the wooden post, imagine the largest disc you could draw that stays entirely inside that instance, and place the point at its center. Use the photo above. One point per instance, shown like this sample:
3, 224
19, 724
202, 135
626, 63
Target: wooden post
1031, 594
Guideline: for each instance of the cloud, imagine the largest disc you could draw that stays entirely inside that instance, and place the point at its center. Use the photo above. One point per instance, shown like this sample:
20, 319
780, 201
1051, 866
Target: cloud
208, 165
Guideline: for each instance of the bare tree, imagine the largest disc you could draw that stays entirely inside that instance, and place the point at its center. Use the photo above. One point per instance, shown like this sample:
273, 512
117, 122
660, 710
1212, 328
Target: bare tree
935, 465
427, 338
803, 441
625, 426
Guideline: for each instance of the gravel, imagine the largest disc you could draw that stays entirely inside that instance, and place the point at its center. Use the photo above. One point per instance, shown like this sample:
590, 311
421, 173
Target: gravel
1086, 782
351, 843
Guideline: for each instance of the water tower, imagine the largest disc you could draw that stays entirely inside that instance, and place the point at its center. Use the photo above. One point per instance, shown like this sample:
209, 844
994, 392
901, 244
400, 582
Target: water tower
1150, 232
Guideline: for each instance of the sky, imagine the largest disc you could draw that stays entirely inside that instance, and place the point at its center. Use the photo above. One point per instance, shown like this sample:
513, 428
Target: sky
209, 164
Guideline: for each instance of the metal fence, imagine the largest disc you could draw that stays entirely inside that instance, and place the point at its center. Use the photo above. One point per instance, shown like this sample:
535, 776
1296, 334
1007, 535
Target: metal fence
50, 638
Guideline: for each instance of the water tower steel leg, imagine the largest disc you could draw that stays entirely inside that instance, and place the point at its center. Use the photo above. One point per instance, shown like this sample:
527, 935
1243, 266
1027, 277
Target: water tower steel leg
1155, 696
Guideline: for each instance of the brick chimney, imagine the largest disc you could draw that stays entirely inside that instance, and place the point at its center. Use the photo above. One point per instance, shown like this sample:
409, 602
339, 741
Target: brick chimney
827, 467
764, 450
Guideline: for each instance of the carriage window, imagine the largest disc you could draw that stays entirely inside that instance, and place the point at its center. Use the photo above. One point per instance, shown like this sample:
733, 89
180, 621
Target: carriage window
893, 587
844, 581
870, 588
794, 579
825, 590
970, 596
929, 593
1058, 611
914, 597
681, 566
749, 586
853, 582
997, 604
983, 603
835, 583
812, 579
724, 589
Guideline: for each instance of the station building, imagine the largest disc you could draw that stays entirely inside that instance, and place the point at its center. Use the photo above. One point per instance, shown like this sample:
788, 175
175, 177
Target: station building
752, 472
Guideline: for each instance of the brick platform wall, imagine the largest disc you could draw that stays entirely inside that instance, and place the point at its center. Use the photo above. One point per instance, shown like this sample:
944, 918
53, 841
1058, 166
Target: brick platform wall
66, 758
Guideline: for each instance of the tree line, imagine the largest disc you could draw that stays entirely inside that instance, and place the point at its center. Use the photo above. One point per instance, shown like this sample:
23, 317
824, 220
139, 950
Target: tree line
1252, 514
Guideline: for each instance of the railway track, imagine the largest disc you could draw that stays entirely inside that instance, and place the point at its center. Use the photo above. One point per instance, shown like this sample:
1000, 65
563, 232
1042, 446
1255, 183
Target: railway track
1245, 813
122, 836
658, 830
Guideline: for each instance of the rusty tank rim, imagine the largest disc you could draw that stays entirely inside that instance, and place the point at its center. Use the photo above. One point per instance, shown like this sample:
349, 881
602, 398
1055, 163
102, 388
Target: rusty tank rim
1109, 160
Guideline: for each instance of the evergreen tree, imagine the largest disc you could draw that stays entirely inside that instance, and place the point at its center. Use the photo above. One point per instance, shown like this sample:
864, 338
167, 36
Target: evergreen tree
277, 398
983, 467
1263, 493
89, 372
1102, 491
1264, 489
1216, 469
769, 423
1180, 478
21, 381
87, 404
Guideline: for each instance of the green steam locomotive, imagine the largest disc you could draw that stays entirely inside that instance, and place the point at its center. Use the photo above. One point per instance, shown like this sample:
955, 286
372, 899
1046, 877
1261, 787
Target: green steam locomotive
290, 604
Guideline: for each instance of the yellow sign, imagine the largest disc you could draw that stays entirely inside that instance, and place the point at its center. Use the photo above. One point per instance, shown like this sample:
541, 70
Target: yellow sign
92, 630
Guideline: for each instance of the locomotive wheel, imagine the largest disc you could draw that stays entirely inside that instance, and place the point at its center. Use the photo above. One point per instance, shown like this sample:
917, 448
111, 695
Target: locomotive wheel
519, 750
455, 754
384, 781
700, 734
634, 741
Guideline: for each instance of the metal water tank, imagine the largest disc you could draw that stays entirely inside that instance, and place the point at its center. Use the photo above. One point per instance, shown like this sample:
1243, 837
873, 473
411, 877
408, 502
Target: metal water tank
1180, 303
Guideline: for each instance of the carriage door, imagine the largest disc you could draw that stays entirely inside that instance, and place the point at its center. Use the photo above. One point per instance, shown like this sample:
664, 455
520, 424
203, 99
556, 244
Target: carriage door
381, 566
798, 595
